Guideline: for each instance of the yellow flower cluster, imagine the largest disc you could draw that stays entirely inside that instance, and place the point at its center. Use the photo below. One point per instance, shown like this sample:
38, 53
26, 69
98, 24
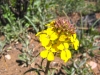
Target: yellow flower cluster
57, 39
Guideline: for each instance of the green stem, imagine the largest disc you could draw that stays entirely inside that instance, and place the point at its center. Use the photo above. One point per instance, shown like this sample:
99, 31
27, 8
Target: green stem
47, 67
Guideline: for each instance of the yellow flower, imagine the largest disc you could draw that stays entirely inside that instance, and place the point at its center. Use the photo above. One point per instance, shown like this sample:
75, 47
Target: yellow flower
48, 53
76, 44
65, 55
46, 36
57, 39
73, 37
75, 41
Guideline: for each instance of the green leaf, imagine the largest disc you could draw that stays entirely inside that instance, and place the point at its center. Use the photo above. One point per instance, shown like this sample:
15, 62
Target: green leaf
36, 29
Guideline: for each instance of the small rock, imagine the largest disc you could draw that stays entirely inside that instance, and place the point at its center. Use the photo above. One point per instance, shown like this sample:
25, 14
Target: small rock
33, 65
54, 64
92, 64
8, 56
29, 37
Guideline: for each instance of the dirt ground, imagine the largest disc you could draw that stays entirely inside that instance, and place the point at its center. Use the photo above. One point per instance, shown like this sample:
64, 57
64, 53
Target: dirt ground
11, 66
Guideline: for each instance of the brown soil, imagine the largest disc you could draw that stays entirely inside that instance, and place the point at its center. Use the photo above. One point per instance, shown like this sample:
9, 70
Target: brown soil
12, 67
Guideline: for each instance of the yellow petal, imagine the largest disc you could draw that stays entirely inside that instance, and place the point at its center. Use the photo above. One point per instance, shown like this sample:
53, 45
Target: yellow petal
66, 45
66, 60
44, 53
63, 55
44, 39
47, 25
50, 56
76, 44
60, 46
49, 31
72, 39
54, 36
42, 36
62, 38
40, 33
45, 43
74, 36
68, 53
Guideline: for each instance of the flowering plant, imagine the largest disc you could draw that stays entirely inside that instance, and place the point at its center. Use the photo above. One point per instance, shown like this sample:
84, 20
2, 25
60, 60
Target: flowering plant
57, 39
